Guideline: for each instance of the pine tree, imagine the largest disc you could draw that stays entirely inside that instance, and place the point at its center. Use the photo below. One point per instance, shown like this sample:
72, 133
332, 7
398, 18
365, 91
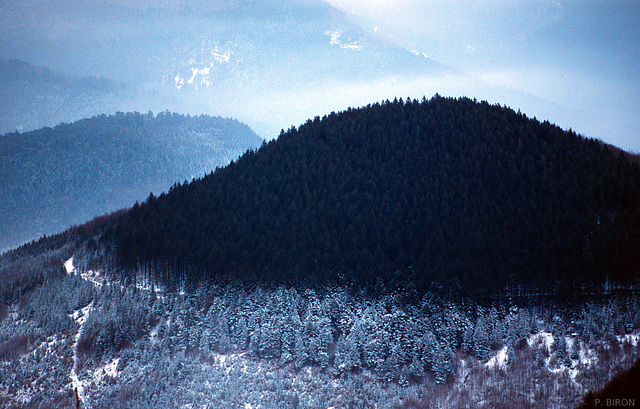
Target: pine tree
416, 367
404, 376
288, 338
340, 361
429, 344
443, 364
481, 343
393, 364
270, 339
373, 354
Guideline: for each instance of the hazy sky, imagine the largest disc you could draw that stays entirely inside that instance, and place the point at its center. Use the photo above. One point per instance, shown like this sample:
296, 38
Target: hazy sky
575, 63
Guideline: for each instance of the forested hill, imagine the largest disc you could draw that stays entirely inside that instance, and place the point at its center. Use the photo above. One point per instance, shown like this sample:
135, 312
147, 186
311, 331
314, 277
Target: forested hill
402, 193
54, 177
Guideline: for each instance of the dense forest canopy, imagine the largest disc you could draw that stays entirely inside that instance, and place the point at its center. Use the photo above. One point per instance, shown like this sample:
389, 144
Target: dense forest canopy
401, 193
55, 177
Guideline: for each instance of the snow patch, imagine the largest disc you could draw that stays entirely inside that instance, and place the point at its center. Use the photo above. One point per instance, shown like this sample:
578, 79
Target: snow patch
418, 53
110, 369
220, 359
354, 45
204, 73
499, 360
221, 56
631, 339
542, 339
80, 316
68, 266
335, 35
153, 335
179, 81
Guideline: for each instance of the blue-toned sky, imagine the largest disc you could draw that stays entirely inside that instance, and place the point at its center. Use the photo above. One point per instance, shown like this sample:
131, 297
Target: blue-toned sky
572, 62
576, 63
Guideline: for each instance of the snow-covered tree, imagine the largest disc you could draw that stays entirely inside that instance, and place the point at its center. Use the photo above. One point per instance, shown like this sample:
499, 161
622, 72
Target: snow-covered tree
394, 362
443, 364
416, 367
404, 376
481, 339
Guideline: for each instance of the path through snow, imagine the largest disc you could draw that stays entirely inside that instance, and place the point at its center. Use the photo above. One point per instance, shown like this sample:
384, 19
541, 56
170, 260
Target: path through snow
80, 316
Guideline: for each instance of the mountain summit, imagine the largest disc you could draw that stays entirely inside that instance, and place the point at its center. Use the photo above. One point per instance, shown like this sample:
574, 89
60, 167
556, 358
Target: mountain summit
406, 192
311, 271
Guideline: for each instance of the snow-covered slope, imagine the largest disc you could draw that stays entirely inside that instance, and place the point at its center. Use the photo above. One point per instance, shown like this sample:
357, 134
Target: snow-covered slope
119, 345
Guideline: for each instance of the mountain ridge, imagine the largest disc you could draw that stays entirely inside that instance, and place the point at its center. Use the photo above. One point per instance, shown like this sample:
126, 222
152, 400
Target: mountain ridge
33, 96
54, 177
283, 279
212, 62
450, 190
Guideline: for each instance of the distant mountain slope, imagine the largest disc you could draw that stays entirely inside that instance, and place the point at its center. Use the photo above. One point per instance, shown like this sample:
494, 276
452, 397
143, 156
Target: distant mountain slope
243, 59
408, 192
33, 97
54, 177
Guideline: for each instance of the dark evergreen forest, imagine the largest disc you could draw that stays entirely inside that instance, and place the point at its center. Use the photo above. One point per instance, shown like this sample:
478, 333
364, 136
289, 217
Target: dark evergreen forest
400, 195
346, 264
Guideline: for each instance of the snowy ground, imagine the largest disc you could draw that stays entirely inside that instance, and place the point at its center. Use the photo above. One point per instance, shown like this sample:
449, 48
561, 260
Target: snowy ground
499, 360
80, 317
163, 366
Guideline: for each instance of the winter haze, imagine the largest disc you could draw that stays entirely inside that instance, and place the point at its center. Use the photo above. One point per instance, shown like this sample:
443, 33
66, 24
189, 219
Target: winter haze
573, 62
275, 64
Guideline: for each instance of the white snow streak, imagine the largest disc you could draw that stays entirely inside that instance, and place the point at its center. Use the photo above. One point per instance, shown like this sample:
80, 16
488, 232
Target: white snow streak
541, 339
499, 359
68, 266
80, 317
